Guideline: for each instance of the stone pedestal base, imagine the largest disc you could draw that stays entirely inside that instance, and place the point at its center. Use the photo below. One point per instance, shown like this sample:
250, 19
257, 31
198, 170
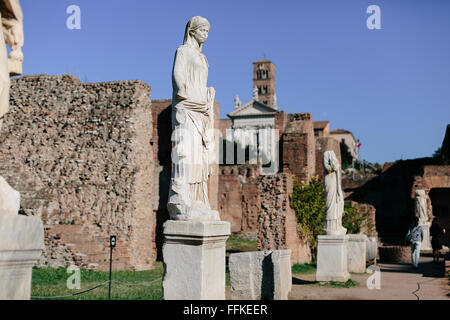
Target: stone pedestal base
332, 258
262, 275
21, 244
194, 260
356, 253
371, 250
426, 243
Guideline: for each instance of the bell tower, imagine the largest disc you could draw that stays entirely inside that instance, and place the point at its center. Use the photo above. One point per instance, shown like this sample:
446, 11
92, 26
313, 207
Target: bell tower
264, 81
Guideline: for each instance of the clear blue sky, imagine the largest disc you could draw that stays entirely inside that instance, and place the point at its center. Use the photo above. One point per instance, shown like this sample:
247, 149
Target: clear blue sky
390, 87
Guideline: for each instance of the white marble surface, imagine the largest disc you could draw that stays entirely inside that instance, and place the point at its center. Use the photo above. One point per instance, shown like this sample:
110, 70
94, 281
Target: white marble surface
9, 199
420, 199
194, 260
260, 274
332, 258
21, 244
371, 249
356, 253
334, 197
246, 274
282, 274
426, 243
193, 153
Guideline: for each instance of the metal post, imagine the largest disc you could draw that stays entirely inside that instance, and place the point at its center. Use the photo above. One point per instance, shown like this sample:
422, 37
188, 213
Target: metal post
112, 244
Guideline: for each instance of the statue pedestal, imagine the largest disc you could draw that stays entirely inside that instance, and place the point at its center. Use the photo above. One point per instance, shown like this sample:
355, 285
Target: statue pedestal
371, 249
426, 243
21, 244
194, 260
356, 253
332, 258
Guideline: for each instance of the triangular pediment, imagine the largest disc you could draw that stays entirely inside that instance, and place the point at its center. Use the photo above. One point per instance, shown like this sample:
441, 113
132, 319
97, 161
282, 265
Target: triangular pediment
252, 108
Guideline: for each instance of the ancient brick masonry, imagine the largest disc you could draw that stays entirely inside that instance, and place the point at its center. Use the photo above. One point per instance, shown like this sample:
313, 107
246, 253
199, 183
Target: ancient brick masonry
277, 225
239, 198
81, 156
298, 147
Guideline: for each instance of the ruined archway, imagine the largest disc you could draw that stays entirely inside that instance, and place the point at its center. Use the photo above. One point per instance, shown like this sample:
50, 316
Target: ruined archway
440, 203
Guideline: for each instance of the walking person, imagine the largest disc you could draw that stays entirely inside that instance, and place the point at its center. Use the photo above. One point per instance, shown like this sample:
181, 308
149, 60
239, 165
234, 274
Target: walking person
437, 234
415, 238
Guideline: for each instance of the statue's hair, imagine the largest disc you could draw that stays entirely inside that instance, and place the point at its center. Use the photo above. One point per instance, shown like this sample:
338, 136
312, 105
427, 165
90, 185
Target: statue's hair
193, 24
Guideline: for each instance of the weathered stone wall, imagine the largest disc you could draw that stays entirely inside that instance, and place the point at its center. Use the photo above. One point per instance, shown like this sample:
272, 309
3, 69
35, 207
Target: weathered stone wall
81, 156
277, 227
298, 147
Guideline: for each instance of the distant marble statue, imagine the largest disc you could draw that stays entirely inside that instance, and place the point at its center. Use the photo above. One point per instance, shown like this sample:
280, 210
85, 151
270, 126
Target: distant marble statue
12, 34
192, 124
334, 203
420, 198
237, 102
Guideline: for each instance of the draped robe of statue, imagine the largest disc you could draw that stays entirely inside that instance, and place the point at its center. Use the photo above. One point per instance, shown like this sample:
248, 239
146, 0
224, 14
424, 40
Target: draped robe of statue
334, 197
193, 138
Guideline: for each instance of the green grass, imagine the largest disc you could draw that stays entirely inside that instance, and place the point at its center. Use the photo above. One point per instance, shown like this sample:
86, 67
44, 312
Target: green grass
236, 244
303, 268
53, 282
350, 283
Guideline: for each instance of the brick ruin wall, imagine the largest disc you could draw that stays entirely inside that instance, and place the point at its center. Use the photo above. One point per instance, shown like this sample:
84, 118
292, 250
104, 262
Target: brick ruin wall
258, 206
239, 199
298, 147
81, 157
434, 176
277, 224
391, 193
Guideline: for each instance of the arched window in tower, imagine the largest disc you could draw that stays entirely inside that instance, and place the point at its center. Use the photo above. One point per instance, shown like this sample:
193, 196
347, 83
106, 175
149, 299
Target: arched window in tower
264, 90
264, 74
258, 74
259, 90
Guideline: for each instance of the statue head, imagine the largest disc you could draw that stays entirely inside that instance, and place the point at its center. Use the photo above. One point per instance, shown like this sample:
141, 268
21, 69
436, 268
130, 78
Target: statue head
330, 161
197, 30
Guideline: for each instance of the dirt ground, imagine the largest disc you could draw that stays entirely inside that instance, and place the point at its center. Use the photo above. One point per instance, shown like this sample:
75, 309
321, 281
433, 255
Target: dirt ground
398, 282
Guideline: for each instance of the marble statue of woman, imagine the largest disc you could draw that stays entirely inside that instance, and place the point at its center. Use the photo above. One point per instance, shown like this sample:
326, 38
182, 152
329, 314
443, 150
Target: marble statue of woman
12, 34
420, 199
192, 125
334, 203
